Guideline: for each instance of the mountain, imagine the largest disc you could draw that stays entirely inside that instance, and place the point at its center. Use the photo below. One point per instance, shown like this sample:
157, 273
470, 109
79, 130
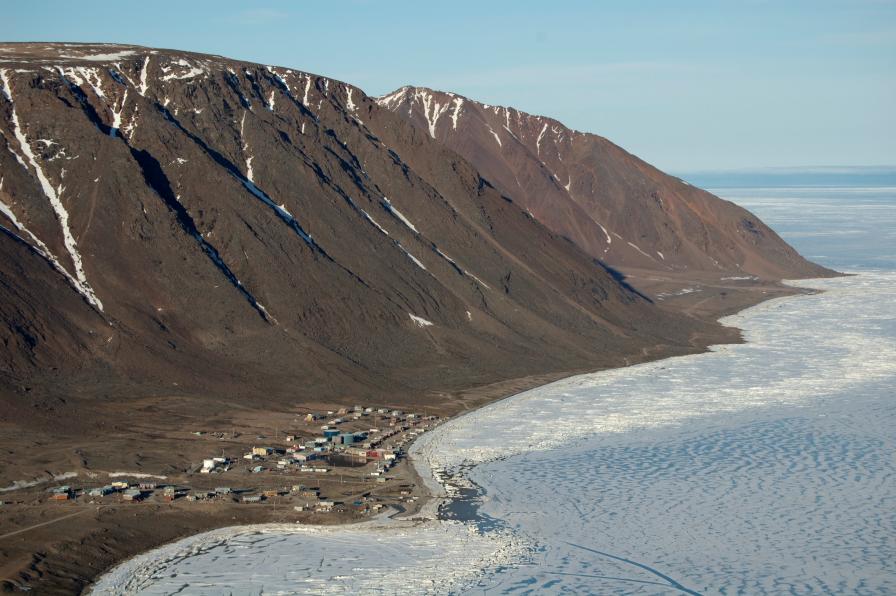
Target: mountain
613, 205
184, 224
193, 249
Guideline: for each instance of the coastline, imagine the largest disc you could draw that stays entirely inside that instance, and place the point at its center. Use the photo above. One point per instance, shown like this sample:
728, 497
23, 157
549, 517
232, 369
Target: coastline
430, 493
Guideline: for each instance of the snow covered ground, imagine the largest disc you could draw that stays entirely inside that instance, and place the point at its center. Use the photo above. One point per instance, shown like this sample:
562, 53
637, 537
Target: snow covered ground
381, 557
762, 468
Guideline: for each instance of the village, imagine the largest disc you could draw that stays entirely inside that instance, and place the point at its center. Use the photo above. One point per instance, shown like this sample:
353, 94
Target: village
343, 463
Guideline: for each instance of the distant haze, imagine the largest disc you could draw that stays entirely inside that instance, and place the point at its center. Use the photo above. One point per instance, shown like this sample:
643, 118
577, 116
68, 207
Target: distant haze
688, 86
823, 176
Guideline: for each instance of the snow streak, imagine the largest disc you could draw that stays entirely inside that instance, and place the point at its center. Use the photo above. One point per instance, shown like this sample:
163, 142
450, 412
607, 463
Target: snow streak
609, 240
307, 89
413, 259
348, 99
371, 220
53, 195
460, 269
432, 110
540, 135
497, 138
143, 85
458, 103
37, 245
407, 253
116, 115
391, 209
249, 174
640, 251
420, 321
215, 257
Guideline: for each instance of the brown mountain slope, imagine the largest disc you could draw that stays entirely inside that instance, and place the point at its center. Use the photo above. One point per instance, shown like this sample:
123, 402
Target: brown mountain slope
214, 225
192, 246
612, 204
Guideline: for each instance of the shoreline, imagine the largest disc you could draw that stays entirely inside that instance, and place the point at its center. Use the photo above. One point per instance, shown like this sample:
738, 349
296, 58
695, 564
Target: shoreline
432, 494
80, 572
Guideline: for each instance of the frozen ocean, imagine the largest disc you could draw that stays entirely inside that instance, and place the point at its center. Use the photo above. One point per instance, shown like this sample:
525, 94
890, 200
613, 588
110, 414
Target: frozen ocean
760, 468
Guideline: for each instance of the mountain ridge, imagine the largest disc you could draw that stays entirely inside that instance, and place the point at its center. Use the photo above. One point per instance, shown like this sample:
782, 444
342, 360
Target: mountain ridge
585, 187
147, 178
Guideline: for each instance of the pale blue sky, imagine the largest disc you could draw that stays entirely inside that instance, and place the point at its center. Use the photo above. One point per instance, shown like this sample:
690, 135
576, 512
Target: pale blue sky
687, 85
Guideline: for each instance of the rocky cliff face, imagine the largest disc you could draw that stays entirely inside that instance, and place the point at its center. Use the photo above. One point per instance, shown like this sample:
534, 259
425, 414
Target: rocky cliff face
610, 203
190, 222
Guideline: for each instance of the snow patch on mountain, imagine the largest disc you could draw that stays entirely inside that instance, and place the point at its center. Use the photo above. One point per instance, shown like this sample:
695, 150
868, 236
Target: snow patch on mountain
420, 321
432, 110
116, 115
540, 135
348, 99
497, 138
413, 259
458, 104
477, 280
604, 230
391, 209
143, 72
373, 221
181, 69
635, 246
100, 57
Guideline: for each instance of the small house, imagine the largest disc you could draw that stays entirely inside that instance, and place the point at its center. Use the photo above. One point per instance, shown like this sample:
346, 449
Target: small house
132, 494
102, 491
